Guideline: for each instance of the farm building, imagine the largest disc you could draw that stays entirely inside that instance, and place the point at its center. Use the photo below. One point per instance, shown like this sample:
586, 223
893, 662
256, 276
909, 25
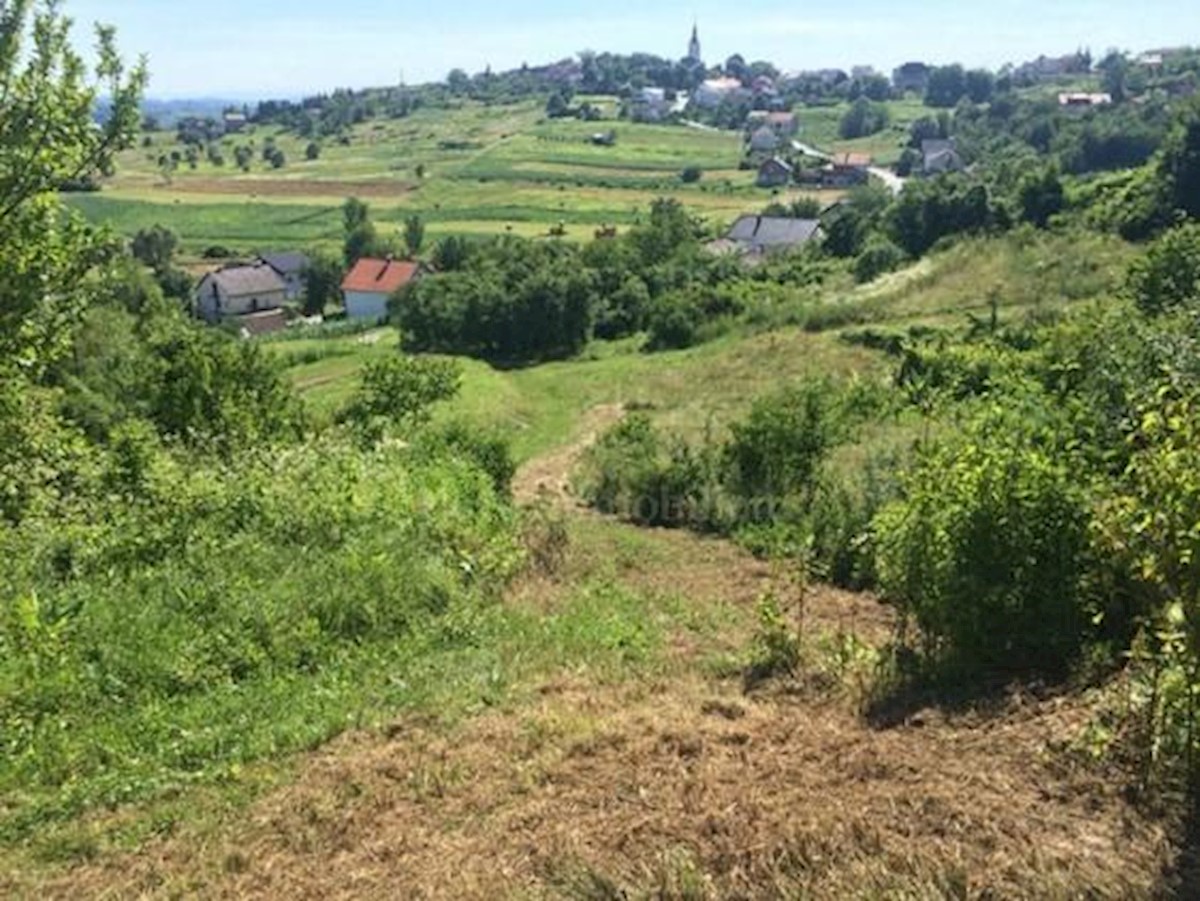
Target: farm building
752, 237
649, 105
846, 170
710, 93
371, 283
939, 156
764, 140
239, 291
1084, 101
774, 173
289, 266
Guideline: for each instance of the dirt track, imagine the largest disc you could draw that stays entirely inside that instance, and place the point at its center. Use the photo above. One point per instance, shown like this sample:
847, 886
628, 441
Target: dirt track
549, 475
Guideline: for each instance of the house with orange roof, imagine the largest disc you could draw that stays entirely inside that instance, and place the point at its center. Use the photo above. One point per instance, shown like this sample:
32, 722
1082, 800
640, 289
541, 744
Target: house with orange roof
367, 287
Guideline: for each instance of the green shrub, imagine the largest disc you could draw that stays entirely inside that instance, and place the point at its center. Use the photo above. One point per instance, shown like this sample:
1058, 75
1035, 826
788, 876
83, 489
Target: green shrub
774, 453
1168, 276
220, 615
673, 323
878, 257
986, 552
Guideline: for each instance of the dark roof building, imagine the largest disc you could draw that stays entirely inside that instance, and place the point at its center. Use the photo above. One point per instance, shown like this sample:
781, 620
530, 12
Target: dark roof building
763, 233
290, 266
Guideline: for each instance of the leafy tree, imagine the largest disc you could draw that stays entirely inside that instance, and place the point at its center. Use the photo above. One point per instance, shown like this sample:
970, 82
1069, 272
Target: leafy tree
155, 247
1168, 276
988, 550
47, 137
878, 257
775, 452
947, 85
1041, 196
312, 151
414, 234
243, 155
355, 213
1114, 69
558, 105
450, 254
399, 392
1179, 166
458, 81
980, 85
863, 118
322, 282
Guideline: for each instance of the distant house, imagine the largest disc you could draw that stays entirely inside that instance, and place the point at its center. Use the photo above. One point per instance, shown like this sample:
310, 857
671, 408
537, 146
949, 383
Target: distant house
712, 92
1079, 100
649, 105
239, 291
291, 267
846, 170
785, 125
940, 156
911, 77
763, 85
774, 173
371, 283
234, 123
1046, 68
764, 140
767, 234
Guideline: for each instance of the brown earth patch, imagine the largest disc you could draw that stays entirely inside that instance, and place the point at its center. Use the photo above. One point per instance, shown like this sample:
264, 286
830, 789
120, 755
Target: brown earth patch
278, 187
658, 790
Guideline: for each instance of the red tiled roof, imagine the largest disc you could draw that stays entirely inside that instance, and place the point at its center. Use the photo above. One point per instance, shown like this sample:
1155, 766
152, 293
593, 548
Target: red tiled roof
852, 160
371, 276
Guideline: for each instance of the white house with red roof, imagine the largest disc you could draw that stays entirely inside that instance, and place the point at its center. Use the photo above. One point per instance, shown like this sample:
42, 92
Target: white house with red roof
371, 283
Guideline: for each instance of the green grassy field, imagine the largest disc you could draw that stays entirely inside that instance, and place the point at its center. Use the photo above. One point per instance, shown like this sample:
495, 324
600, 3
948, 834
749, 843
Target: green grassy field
707, 386
471, 170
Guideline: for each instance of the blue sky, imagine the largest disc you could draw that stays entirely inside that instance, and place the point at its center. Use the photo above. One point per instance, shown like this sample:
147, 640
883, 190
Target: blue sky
256, 48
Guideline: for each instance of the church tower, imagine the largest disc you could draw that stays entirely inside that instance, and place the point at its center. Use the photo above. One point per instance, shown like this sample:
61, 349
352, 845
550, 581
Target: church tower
694, 46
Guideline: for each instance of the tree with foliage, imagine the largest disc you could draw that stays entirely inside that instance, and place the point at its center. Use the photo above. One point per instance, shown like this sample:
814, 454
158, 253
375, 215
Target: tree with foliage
1168, 276
47, 137
313, 151
243, 155
1179, 165
155, 247
1041, 195
398, 392
862, 119
450, 254
414, 234
987, 551
322, 282
774, 453
361, 238
980, 85
947, 85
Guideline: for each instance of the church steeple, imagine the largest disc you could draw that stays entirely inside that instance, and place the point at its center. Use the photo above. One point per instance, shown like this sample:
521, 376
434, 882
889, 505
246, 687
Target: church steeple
694, 45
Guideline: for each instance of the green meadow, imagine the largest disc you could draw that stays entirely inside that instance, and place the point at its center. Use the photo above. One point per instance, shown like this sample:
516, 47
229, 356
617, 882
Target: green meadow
469, 170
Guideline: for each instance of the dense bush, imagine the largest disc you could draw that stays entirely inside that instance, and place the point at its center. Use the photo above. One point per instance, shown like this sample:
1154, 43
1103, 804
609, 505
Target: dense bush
774, 454
261, 591
880, 256
1168, 276
987, 552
